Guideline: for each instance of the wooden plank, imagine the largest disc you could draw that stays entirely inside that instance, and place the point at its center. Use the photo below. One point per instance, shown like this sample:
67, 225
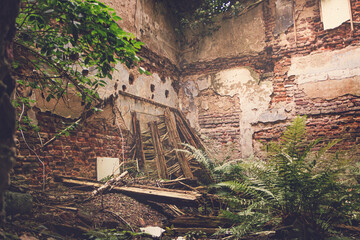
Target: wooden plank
159, 151
135, 97
199, 143
175, 183
294, 21
139, 150
351, 16
175, 142
109, 184
183, 130
170, 196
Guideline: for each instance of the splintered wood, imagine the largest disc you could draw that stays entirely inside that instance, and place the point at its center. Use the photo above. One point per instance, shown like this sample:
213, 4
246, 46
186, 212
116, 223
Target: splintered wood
109, 184
159, 152
139, 151
156, 149
175, 142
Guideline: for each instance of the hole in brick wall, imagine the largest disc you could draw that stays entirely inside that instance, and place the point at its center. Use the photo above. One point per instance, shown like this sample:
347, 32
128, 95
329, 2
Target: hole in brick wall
152, 87
166, 93
131, 79
163, 79
124, 88
152, 96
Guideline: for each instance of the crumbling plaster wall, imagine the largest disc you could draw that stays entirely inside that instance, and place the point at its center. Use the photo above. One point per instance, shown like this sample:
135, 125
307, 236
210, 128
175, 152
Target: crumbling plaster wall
315, 74
154, 88
241, 85
225, 104
151, 22
244, 35
106, 133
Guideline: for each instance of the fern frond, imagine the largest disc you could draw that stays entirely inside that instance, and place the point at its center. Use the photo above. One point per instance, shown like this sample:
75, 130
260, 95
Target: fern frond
198, 154
235, 186
327, 147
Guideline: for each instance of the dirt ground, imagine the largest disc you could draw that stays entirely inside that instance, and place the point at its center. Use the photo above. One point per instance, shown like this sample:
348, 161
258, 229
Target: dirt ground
68, 213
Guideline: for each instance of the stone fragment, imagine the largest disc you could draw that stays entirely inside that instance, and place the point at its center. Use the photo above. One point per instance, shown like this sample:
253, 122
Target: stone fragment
18, 203
273, 115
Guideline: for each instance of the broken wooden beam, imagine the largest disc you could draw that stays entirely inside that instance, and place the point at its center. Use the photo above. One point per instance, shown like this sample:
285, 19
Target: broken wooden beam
199, 143
139, 149
161, 195
176, 182
135, 97
159, 151
175, 141
184, 132
109, 184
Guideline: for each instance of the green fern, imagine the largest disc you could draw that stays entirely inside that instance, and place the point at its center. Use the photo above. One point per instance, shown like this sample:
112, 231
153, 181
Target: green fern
304, 188
198, 154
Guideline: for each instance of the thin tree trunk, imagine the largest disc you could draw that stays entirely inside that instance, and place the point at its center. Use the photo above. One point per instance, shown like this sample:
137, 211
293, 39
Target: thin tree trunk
8, 13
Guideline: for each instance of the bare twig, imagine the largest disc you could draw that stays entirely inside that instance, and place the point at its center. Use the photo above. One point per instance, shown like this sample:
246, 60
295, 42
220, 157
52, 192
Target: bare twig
108, 184
119, 217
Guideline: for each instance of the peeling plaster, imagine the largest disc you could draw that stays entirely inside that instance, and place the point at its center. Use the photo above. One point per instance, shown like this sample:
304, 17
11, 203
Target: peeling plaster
331, 89
334, 13
204, 82
328, 74
272, 115
337, 64
254, 99
231, 82
68, 107
230, 39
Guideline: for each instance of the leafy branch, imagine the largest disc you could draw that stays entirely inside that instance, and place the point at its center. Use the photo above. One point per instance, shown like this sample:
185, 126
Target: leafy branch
72, 41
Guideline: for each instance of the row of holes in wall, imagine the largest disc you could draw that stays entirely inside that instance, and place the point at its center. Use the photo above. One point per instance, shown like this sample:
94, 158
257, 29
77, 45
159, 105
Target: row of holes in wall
152, 86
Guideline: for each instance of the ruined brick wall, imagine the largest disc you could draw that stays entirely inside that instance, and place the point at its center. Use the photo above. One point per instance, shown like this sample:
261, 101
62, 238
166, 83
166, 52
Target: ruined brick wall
304, 77
219, 124
332, 107
247, 91
99, 135
73, 155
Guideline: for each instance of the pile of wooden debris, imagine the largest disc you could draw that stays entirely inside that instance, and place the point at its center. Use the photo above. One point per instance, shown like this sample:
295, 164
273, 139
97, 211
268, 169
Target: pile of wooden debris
156, 150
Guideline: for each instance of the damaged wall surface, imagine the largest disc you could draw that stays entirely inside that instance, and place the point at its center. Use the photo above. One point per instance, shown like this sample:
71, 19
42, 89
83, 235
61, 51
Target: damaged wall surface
236, 93
238, 86
105, 134
237, 36
300, 69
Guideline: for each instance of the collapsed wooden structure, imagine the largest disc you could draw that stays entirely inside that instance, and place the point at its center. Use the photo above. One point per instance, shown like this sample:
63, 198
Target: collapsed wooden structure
157, 149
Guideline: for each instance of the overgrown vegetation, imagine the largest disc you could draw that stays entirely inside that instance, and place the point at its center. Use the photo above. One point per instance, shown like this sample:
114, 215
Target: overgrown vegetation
65, 46
299, 192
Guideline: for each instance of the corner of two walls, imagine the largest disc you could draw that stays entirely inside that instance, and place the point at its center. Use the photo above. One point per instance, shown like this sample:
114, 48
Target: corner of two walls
238, 87
107, 133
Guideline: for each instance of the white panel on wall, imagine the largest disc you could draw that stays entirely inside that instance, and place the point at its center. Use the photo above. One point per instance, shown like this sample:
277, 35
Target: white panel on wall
105, 166
334, 12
